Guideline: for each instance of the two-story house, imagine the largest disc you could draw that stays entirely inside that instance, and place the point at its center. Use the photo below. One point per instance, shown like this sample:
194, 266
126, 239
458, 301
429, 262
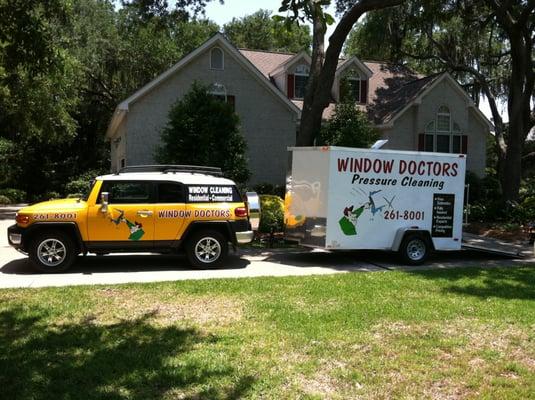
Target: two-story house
430, 113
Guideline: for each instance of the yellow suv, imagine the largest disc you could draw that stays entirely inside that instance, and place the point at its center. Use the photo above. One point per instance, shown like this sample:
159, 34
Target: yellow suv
161, 209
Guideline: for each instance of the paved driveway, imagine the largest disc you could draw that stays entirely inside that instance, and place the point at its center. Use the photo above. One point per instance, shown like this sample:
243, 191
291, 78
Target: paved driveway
15, 269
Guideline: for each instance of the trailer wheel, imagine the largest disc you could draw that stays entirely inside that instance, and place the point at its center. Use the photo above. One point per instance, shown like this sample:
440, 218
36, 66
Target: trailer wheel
414, 249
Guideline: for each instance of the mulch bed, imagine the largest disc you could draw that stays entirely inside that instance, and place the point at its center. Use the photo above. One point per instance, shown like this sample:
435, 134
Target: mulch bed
508, 233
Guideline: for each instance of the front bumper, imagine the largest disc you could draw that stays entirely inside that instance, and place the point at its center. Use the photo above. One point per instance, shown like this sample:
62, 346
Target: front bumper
14, 236
244, 237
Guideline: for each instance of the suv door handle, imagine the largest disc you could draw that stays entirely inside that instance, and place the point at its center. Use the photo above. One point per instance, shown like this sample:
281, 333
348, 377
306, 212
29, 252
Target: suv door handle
144, 213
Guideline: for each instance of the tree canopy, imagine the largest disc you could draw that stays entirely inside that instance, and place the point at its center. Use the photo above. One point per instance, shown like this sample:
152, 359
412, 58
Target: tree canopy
65, 65
259, 31
488, 45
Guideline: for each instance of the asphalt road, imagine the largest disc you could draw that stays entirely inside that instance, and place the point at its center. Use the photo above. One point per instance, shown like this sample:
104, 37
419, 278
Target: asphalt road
16, 271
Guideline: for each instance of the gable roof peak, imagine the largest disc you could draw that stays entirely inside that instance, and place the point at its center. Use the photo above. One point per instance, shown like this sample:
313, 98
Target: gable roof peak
123, 107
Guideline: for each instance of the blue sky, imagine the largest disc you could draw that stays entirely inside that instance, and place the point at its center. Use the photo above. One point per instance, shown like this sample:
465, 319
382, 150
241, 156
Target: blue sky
223, 13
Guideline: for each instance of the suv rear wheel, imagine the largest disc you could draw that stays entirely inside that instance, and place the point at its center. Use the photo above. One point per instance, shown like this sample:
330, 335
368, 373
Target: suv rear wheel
207, 249
52, 251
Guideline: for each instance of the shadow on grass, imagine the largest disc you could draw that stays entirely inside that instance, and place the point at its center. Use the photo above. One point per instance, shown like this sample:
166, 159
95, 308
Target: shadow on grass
127, 360
506, 283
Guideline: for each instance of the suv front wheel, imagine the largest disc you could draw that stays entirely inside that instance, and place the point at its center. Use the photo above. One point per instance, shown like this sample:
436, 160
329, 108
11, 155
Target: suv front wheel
207, 249
52, 251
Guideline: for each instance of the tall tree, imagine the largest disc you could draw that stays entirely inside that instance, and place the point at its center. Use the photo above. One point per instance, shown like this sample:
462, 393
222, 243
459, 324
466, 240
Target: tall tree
37, 92
63, 68
487, 44
325, 62
259, 31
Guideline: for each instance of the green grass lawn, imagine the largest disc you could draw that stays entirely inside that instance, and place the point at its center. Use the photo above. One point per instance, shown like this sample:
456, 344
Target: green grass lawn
446, 334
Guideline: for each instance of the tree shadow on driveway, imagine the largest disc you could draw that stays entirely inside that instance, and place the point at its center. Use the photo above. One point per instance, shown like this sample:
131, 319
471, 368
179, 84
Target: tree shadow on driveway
130, 359
122, 263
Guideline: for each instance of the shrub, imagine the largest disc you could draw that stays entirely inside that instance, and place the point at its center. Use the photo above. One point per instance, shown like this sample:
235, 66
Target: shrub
204, 130
489, 211
4, 200
272, 214
527, 187
525, 211
48, 196
15, 195
482, 189
79, 186
348, 127
268, 188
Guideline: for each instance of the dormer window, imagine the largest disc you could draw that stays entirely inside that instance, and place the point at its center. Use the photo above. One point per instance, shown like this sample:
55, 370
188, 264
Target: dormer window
353, 88
216, 58
300, 81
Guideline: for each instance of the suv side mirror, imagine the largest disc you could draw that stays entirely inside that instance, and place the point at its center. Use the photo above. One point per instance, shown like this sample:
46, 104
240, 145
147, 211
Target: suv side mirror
104, 197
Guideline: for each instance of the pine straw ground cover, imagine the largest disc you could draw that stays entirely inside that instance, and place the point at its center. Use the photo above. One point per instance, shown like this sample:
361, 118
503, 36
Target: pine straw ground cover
445, 334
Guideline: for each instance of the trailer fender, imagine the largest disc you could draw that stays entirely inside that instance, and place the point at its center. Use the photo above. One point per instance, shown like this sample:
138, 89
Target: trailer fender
401, 232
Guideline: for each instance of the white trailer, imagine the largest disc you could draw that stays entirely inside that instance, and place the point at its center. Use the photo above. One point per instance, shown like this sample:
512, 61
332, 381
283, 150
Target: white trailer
405, 201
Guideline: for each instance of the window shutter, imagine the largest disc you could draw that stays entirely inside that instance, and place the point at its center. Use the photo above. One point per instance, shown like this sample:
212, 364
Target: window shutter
363, 91
290, 86
232, 101
421, 142
464, 144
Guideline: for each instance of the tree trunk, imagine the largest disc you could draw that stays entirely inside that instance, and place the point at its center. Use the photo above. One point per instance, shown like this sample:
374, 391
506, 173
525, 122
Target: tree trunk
311, 114
322, 73
516, 25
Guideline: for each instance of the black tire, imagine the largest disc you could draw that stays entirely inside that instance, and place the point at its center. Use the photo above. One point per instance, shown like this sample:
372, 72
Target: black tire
52, 252
414, 249
207, 249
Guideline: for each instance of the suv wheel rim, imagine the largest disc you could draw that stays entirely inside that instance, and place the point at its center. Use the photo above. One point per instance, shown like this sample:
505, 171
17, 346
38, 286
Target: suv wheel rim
416, 249
51, 252
207, 250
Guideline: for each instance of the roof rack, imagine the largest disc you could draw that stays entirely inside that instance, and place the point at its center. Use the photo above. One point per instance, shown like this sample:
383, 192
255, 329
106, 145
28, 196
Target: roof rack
215, 171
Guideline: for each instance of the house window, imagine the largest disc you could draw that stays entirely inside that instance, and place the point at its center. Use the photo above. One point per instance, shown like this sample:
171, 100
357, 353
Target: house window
443, 135
353, 88
216, 58
300, 81
219, 91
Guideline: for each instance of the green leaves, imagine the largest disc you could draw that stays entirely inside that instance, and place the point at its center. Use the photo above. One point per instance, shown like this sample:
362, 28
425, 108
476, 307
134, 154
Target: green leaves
348, 127
65, 65
329, 19
261, 31
203, 130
